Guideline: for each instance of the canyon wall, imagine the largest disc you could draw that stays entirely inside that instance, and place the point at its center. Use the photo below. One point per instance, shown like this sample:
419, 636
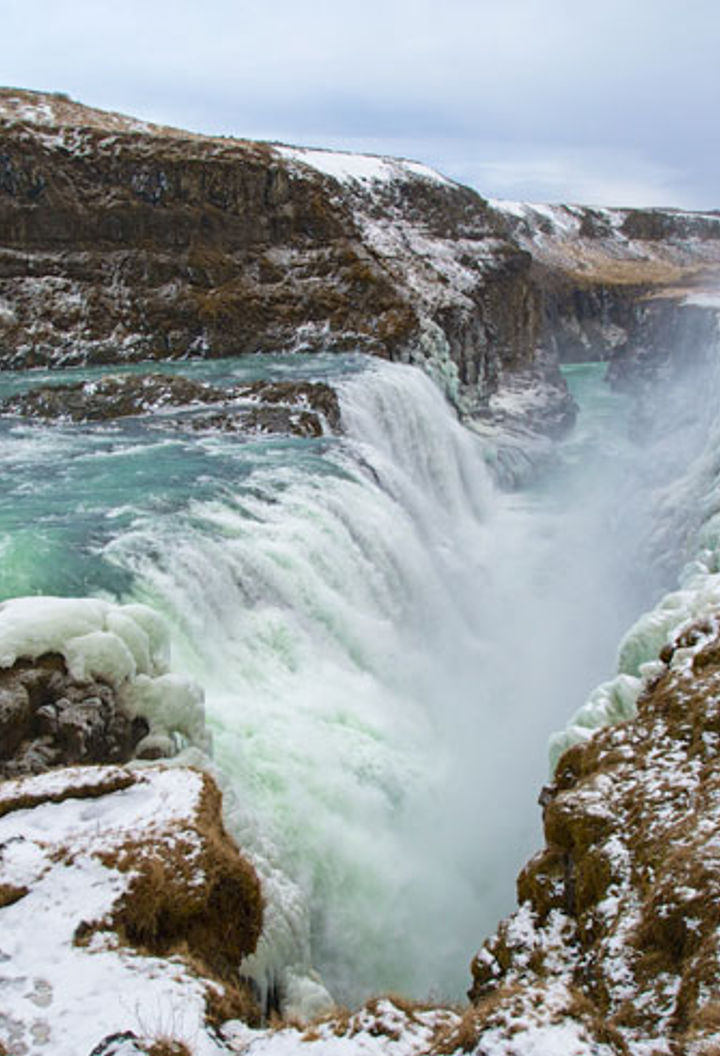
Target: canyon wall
123, 241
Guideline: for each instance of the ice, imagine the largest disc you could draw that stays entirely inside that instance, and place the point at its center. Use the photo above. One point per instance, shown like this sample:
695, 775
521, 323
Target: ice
125, 646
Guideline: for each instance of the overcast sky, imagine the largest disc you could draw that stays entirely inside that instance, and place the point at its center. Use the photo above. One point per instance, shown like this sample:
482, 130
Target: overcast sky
598, 101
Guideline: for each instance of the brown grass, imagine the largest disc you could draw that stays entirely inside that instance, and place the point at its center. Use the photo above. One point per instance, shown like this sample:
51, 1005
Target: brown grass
9, 894
219, 920
464, 1035
169, 1047
231, 1001
477, 1017
26, 800
199, 901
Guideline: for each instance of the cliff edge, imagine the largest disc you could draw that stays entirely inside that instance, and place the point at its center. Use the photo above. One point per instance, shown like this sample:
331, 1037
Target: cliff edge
124, 241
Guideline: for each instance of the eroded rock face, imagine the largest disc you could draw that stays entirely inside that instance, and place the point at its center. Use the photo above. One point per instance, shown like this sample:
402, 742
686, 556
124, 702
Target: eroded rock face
300, 408
50, 719
618, 930
623, 285
125, 242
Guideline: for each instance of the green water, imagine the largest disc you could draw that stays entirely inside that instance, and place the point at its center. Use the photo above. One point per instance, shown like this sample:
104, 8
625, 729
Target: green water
385, 641
67, 490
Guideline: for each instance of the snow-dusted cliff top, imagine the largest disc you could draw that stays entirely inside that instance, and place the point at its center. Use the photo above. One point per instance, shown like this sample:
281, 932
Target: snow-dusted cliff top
662, 247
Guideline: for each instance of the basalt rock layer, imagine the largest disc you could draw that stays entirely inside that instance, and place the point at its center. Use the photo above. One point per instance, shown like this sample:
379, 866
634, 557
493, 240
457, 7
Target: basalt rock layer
299, 408
635, 287
124, 241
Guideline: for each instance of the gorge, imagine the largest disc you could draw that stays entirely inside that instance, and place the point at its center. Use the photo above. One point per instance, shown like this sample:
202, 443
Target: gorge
309, 408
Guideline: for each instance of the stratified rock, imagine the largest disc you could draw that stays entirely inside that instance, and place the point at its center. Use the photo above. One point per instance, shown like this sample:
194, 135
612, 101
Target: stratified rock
630, 286
297, 408
123, 241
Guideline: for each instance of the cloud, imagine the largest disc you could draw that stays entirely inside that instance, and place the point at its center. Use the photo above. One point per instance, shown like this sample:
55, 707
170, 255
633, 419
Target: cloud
633, 80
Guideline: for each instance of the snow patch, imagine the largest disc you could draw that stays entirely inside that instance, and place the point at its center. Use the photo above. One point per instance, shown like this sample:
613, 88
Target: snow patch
67, 997
363, 168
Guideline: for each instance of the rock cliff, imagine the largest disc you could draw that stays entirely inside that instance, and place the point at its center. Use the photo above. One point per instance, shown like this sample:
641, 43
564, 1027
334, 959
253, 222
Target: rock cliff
125, 241
617, 932
635, 287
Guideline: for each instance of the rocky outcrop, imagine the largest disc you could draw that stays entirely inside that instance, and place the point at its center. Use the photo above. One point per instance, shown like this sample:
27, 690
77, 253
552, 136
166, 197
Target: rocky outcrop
86, 681
126, 242
616, 938
48, 719
299, 408
631, 286
125, 912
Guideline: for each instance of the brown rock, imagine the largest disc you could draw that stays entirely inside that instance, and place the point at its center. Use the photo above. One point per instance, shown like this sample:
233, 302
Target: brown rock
48, 719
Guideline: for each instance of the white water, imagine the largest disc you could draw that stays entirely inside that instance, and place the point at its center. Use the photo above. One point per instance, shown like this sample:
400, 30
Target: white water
385, 642
385, 647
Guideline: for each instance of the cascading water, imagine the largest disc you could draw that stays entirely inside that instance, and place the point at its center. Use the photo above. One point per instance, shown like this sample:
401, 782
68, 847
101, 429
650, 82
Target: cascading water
384, 640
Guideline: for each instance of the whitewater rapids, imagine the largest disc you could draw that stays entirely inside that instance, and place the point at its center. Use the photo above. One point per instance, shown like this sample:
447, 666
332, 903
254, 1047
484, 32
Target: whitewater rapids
385, 641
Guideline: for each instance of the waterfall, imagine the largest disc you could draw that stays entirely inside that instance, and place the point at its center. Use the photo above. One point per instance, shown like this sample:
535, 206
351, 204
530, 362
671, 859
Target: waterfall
385, 641
327, 604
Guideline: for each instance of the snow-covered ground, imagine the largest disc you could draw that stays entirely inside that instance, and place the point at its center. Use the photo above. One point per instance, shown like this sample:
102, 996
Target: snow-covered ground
363, 168
59, 836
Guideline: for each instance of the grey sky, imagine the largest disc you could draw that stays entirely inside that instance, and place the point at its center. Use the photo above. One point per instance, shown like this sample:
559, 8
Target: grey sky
608, 102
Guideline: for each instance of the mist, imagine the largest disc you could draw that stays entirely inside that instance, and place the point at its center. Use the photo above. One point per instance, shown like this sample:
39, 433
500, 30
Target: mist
387, 640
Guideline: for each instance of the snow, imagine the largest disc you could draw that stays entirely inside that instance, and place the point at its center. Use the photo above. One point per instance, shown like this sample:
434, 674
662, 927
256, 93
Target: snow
380, 1028
543, 1039
365, 168
68, 997
704, 299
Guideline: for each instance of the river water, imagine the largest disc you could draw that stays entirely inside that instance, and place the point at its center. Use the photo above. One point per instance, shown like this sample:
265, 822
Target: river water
385, 639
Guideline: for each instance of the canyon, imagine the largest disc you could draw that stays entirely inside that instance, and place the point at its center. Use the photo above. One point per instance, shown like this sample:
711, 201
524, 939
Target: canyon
137, 252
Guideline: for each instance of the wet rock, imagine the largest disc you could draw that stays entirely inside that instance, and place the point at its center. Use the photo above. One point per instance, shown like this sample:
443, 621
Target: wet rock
111, 397
49, 719
316, 396
294, 408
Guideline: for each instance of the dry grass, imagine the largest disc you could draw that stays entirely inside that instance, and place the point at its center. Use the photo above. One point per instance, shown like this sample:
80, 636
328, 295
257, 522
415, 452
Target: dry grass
231, 1001
201, 894
486, 1012
20, 800
191, 896
609, 272
70, 114
9, 894
168, 1047
463, 1036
